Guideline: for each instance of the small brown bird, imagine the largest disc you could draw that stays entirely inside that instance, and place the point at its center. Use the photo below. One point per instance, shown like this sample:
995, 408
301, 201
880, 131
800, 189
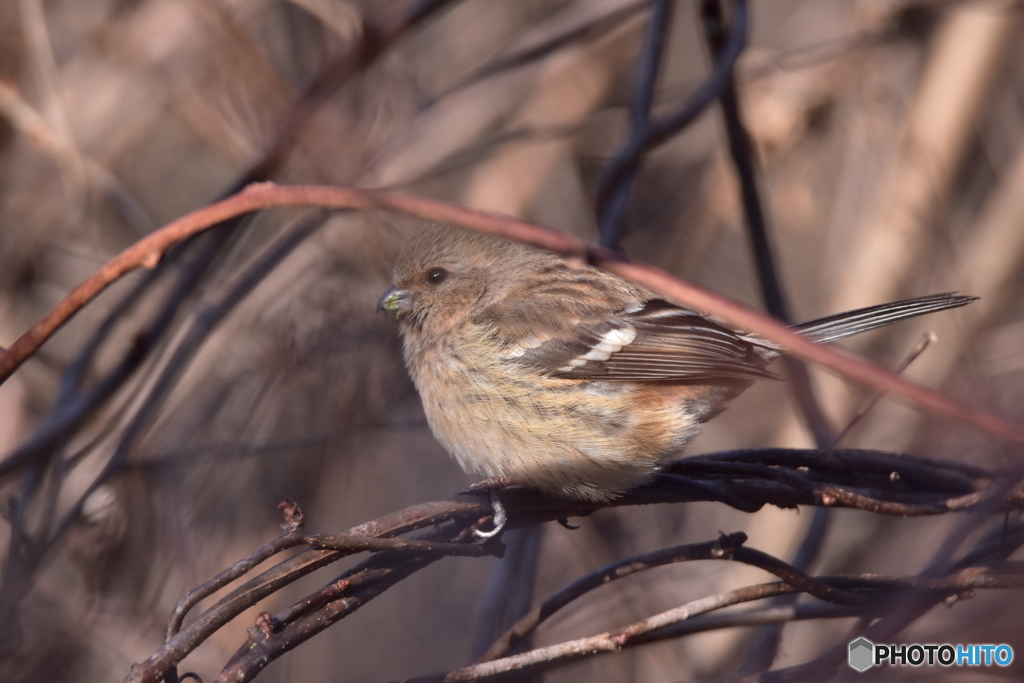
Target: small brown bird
565, 378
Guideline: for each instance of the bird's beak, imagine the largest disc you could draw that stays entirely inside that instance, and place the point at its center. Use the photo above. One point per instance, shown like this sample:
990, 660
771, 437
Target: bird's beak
395, 300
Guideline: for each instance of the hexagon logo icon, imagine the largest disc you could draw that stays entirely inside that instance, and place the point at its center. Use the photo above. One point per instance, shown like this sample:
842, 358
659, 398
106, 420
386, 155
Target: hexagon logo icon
862, 654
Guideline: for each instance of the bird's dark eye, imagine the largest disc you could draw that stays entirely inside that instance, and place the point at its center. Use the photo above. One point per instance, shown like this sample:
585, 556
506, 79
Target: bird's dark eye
436, 276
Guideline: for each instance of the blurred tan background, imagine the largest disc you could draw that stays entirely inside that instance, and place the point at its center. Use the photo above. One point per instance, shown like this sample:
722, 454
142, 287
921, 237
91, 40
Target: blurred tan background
890, 138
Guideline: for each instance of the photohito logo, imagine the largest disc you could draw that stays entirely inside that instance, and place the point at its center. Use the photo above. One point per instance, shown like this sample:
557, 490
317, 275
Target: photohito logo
864, 654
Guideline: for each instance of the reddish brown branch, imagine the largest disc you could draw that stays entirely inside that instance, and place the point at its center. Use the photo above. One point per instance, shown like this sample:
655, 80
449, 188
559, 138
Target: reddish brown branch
149, 251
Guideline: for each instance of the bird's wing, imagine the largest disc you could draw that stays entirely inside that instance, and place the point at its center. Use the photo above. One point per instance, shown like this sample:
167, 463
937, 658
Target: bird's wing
593, 330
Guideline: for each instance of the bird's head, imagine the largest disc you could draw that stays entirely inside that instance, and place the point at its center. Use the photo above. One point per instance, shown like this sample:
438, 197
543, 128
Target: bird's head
444, 273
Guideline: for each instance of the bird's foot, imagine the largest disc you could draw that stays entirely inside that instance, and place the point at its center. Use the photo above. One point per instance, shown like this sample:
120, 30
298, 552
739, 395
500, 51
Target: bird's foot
489, 485
499, 519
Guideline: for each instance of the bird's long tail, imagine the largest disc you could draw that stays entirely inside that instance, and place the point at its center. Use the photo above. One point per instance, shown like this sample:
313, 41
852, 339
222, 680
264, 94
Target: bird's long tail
842, 325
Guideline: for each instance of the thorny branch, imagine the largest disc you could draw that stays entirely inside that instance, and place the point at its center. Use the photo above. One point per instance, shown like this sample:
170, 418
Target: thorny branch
402, 556
868, 480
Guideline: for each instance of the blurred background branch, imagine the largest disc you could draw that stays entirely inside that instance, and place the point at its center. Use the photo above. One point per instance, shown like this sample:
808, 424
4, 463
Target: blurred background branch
170, 415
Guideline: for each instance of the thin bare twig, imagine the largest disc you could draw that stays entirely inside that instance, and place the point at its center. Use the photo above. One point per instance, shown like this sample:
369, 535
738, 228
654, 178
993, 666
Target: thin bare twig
354, 589
376, 536
927, 339
290, 538
610, 641
709, 550
647, 630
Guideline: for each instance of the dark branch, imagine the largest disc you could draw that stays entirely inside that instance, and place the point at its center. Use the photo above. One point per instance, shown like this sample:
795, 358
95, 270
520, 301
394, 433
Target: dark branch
613, 213
662, 129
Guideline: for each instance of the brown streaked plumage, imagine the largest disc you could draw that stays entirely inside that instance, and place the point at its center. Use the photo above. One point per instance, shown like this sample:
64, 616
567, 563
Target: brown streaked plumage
568, 379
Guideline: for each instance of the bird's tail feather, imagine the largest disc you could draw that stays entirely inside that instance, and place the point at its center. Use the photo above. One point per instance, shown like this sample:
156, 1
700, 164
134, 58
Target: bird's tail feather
842, 325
